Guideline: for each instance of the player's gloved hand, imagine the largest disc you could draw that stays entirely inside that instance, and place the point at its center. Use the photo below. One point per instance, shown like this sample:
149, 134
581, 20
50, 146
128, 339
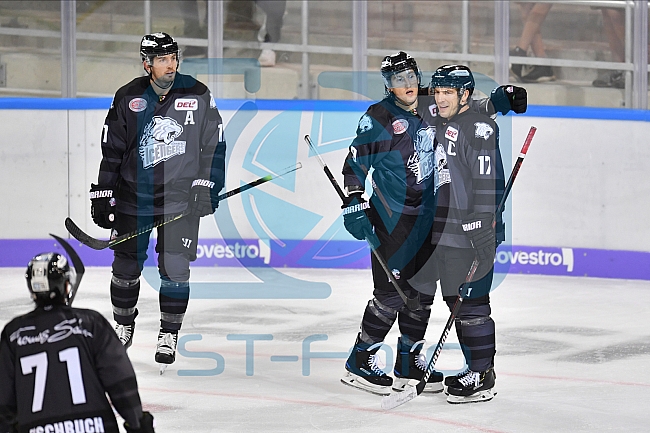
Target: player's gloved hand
356, 220
102, 206
478, 228
203, 198
509, 97
146, 424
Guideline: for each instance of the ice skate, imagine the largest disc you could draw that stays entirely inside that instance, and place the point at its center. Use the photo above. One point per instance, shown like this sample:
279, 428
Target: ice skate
472, 387
166, 348
410, 366
125, 332
363, 372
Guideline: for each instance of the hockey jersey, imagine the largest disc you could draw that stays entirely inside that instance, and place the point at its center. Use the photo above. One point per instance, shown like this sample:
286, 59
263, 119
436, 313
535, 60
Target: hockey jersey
400, 146
153, 148
56, 365
470, 175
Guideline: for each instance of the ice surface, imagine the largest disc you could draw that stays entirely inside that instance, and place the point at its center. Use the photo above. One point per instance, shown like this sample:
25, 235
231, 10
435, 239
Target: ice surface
572, 356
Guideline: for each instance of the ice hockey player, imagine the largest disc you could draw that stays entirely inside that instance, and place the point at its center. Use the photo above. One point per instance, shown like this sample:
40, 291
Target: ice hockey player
469, 183
57, 363
163, 152
396, 138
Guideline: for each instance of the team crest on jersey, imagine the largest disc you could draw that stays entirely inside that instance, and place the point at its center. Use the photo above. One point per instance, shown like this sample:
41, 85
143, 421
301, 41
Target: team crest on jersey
433, 109
137, 104
400, 126
421, 163
158, 142
365, 124
441, 174
182, 104
483, 130
451, 133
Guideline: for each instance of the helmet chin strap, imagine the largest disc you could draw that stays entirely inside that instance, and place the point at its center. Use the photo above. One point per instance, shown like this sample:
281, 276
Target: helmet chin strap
404, 106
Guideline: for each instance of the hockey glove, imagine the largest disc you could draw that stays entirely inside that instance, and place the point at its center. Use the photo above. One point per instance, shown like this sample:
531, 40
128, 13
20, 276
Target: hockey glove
102, 206
356, 220
203, 200
509, 97
478, 228
146, 424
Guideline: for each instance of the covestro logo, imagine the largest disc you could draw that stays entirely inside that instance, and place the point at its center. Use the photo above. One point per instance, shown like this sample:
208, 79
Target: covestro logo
551, 257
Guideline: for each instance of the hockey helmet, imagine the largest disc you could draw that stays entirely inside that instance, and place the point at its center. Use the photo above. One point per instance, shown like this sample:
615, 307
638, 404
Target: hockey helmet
157, 44
396, 63
48, 276
453, 76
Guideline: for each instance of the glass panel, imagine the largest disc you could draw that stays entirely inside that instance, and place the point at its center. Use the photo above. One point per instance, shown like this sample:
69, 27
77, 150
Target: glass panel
108, 39
576, 34
30, 48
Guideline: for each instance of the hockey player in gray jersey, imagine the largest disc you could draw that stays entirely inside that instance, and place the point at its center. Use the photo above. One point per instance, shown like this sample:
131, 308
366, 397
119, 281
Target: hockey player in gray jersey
59, 364
163, 153
469, 185
396, 138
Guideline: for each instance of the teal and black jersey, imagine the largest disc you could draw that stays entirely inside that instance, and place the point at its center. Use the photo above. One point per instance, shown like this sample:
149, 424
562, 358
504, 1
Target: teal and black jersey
398, 145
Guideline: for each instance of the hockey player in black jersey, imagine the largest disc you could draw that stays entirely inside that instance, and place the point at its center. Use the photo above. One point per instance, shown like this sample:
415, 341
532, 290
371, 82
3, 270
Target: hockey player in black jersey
163, 153
396, 138
469, 185
57, 363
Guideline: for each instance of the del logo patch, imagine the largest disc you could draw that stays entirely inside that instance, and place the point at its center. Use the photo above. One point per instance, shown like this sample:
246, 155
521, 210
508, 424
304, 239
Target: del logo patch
451, 133
137, 104
400, 126
186, 104
433, 109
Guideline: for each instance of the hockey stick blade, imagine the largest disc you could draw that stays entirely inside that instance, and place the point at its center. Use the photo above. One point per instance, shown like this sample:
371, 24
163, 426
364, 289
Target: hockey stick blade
391, 401
78, 265
398, 398
100, 244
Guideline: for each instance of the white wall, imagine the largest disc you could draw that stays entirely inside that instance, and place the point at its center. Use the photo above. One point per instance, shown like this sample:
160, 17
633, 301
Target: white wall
583, 183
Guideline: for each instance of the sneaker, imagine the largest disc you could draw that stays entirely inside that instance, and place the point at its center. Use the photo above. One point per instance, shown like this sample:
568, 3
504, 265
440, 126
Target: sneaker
267, 57
363, 370
125, 332
517, 69
472, 387
615, 79
410, 365
539, 74
166, 347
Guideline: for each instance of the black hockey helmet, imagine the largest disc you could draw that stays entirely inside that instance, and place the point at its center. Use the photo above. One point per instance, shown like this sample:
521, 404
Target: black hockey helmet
453, 76
157, 44
49, 278
396, 63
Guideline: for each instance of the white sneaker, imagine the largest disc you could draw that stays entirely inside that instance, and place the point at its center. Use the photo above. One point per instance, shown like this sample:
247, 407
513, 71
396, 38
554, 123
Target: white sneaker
267, 57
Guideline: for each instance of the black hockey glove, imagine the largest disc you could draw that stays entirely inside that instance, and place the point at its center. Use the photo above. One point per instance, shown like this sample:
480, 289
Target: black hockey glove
509, 97
203, 198
356, 220
146, 424
102, 206
478, 228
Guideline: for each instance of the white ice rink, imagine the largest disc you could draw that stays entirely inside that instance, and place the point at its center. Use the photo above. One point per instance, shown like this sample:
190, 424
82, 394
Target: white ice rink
573, 355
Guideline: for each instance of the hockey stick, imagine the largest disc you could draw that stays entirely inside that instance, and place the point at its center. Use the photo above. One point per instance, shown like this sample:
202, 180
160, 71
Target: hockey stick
396, 399
78, 265
100, 244
412, 304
